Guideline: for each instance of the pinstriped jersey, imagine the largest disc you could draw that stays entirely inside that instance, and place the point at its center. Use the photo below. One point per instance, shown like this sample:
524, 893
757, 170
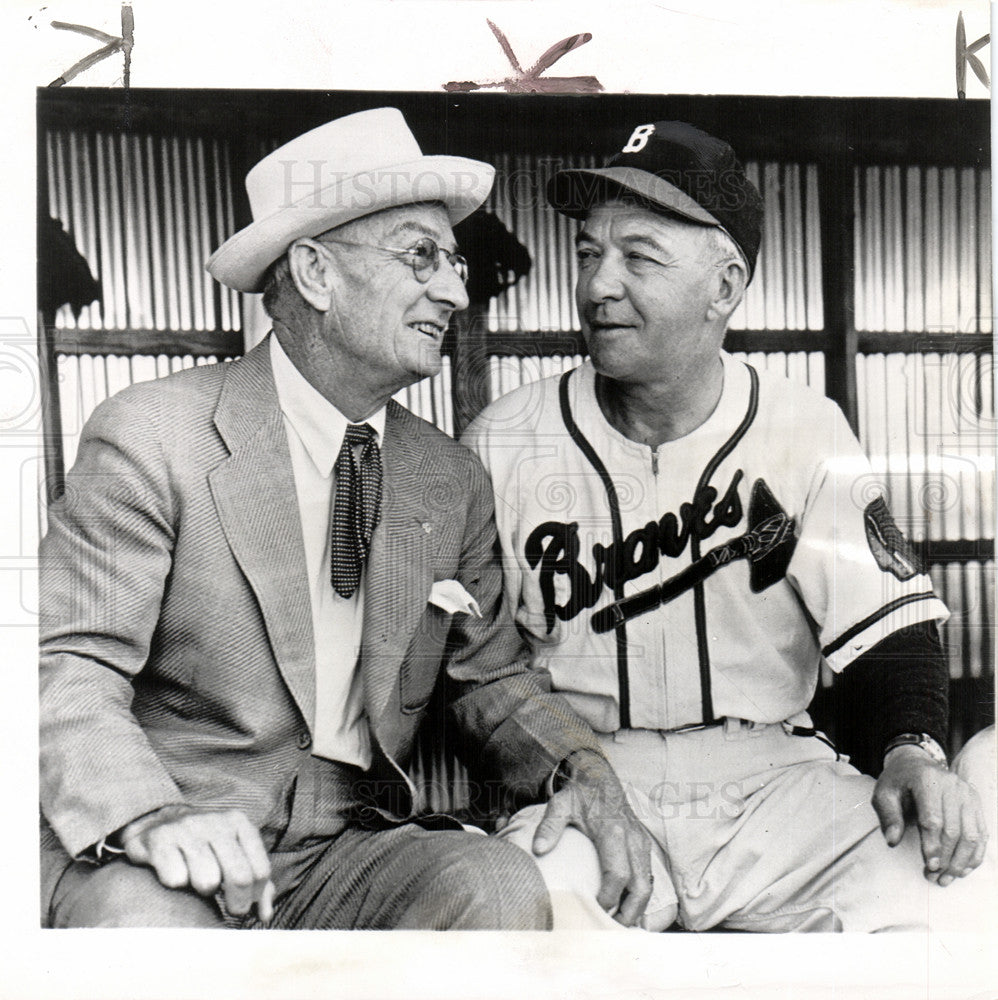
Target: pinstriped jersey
709, 577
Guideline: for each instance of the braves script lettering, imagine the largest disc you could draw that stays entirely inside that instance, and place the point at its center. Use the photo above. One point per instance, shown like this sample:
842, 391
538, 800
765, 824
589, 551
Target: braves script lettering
555, 546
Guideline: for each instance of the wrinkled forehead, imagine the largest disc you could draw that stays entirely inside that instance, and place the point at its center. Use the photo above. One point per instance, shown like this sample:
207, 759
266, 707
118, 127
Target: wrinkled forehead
625, 216
399, 223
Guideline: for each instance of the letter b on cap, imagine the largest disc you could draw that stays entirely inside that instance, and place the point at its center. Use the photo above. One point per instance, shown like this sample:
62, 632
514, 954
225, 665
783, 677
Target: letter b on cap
639, 139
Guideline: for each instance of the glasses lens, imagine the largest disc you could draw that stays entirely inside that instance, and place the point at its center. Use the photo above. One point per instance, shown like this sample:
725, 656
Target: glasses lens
425, 254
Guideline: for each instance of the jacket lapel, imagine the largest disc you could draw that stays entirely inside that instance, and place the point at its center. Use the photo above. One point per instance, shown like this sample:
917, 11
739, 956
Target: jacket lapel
399, 569
256, 501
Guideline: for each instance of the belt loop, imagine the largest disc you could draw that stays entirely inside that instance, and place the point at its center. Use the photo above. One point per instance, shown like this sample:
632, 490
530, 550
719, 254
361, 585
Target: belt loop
731, 726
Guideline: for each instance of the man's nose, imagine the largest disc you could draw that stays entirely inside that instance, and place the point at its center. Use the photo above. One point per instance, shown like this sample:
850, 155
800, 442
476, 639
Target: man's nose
446, 287
600, 281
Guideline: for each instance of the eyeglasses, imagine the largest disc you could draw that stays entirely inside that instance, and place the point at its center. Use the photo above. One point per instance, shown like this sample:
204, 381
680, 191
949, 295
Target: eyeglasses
423, 257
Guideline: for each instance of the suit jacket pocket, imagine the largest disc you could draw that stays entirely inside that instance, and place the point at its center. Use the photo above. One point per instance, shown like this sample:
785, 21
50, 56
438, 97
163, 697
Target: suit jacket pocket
421, 666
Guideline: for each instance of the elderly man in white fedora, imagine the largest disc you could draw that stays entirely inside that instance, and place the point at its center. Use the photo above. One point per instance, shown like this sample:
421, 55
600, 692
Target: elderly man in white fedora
257, 574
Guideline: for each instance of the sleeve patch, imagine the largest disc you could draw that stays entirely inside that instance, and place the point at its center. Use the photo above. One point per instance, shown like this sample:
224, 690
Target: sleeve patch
892, 551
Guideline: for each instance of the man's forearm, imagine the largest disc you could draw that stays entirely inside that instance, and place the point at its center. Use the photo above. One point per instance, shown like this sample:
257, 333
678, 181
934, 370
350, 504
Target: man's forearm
901, 685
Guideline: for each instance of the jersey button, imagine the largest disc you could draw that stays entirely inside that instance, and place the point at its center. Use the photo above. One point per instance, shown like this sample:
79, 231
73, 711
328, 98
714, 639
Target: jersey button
304, 739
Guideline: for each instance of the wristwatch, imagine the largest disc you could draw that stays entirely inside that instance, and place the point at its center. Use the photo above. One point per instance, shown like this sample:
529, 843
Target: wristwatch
921, 740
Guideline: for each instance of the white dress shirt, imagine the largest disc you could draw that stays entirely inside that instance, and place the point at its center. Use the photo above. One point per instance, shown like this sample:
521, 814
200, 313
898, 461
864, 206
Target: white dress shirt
315, 430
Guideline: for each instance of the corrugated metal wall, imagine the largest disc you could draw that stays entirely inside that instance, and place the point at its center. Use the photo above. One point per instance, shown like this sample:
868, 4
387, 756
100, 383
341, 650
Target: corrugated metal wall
146, 211
923, 249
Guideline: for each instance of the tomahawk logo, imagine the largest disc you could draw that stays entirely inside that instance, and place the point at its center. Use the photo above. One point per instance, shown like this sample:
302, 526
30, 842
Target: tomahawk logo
639, 139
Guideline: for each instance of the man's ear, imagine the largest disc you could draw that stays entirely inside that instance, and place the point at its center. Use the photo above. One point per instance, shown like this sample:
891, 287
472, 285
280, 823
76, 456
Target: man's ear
732, 279
312, 272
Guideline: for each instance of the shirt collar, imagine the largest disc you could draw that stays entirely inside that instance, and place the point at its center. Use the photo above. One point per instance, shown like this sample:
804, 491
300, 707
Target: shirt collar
319, 424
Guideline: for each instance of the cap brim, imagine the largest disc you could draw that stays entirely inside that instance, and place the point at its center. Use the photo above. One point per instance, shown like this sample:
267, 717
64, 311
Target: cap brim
574, 192
462, 185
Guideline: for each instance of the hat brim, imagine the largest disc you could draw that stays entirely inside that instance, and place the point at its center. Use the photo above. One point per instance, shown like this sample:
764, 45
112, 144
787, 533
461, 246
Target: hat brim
574, 192
462, 185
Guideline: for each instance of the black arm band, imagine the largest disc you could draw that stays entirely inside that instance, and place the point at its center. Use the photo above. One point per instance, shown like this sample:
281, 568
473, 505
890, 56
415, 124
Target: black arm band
907, 679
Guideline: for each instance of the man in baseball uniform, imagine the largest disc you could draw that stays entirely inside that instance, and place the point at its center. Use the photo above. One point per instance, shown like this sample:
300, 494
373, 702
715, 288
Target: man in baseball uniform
685, 541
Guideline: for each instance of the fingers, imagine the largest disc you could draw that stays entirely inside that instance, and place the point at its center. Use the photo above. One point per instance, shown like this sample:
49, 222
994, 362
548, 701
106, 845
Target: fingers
978, 843
639, 887
265, 907
598, 808
233, 875
624, 851
614, 877
950, 836
259, 862
963, 836
969, 853
204, 871
208, 851
930, 828
939, 828
169, 864
136, 850
887, 803
952, 831
241, 867
552, 825
951, 826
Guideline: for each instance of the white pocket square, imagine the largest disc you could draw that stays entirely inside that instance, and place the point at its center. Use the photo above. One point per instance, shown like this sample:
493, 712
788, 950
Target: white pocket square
451, 597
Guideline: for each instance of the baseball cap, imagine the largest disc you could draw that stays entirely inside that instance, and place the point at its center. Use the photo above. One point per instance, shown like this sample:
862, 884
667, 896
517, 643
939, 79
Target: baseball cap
676, 167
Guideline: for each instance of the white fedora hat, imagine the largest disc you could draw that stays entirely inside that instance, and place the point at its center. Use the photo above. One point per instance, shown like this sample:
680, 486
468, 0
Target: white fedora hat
336, 173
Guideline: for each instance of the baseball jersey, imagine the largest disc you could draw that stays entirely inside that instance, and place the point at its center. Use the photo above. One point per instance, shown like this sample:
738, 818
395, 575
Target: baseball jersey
765, 531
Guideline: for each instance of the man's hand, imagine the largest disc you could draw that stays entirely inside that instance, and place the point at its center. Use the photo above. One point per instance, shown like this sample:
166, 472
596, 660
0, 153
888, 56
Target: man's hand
912, 787
206, 850
593, 801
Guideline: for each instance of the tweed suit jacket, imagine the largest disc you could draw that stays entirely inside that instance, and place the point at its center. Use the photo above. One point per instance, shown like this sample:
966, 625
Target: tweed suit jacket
177, 653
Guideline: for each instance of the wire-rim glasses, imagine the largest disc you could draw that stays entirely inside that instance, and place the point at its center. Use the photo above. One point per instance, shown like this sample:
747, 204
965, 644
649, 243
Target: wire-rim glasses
423, 256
